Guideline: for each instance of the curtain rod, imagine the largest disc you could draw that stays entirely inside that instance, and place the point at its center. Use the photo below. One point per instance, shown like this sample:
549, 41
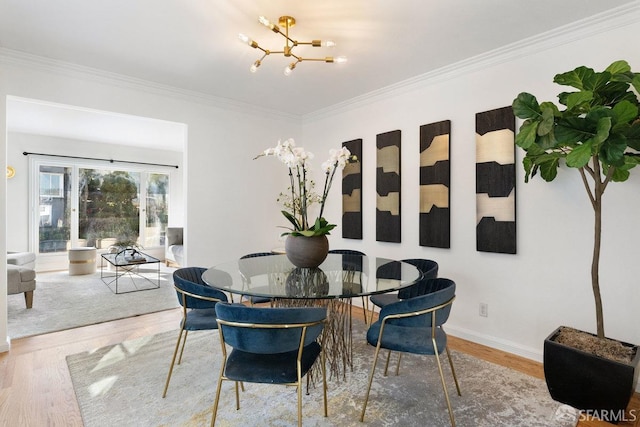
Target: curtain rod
103, 160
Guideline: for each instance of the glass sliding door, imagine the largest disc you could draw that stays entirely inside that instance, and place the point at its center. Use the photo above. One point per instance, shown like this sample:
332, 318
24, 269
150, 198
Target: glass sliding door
156, 209
108, 207
78, 204
54, 206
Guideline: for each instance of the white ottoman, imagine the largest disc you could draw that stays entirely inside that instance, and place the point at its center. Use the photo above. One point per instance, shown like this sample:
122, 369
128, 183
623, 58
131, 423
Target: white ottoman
82, 261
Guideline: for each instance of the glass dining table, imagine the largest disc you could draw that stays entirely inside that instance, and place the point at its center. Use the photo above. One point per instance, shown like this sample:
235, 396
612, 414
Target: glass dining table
333, 284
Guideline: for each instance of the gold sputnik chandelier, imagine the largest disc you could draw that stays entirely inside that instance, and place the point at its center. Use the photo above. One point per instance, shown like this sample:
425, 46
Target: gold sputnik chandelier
286, 22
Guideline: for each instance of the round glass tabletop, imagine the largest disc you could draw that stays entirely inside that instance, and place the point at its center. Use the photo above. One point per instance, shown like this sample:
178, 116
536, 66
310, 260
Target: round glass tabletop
339, 276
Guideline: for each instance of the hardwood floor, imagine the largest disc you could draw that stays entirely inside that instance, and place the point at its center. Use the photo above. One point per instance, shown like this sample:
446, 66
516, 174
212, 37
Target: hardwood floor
36, 389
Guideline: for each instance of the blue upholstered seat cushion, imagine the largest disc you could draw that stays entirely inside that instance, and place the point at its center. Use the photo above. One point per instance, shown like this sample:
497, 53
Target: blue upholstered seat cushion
407, 339
277, 368
413, 334
200, 320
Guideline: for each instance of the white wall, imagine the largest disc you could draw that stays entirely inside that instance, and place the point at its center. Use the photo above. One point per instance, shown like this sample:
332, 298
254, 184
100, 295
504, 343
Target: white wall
230, 203
548, 282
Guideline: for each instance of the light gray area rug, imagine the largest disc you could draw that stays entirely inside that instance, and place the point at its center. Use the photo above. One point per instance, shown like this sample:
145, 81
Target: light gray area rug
122, 385
61, 301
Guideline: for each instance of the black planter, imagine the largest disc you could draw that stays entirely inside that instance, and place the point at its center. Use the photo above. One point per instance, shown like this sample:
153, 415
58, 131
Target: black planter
586, 381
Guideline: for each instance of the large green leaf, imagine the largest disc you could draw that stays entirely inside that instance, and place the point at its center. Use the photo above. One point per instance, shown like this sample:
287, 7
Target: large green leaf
636, 82
578, 98
598, 81
580, 155
575, 78
612, 150
620, 175
526, 137
547, 122
633, 135
525, 106
572, 130
619, 67
549, 169
625, 111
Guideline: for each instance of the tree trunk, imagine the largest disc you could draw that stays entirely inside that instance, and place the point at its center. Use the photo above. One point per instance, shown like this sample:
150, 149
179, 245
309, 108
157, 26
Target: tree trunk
595, 262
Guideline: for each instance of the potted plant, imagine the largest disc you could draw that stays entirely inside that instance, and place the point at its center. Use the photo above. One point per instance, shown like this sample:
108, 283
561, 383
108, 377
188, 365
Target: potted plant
306, 244
598, 134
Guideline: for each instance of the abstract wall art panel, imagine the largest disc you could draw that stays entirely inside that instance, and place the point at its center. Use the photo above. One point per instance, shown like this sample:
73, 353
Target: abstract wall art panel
352, 193
388, 187
434, 184
495, 181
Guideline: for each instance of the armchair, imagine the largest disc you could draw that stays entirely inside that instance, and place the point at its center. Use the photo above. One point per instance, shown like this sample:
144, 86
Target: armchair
269, 345
174, 247
198, 301
414, 326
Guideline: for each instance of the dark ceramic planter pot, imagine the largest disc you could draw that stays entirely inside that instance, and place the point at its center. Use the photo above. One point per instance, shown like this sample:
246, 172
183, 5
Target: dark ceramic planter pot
306, 252
586, 381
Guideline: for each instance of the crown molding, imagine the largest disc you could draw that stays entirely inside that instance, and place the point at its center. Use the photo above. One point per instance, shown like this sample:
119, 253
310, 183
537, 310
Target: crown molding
607, 21
40, 63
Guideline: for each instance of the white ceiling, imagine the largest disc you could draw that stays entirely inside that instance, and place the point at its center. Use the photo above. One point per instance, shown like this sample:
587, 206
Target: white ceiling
193, 44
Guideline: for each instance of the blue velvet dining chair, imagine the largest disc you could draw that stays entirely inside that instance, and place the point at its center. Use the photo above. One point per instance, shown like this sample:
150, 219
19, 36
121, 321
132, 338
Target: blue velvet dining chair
429, 270
353, 265
247, 273
269, 345
414, 325
198, 301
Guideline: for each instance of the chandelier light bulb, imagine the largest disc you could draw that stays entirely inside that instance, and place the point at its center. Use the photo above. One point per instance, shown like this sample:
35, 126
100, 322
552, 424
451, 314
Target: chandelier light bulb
254, 66
289, 69
340, 59
264, 21
244, 39
329, 43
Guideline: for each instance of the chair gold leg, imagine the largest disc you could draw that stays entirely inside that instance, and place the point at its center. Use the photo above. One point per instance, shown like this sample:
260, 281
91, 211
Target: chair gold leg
373, 369
386, 365
217, 399
299, 400
183, 344
444, 386
237, 396
173, 360
324, 382
453, 371
398, 364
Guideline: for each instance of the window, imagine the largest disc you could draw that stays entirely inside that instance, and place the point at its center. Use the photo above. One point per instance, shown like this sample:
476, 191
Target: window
51, 184
91, 205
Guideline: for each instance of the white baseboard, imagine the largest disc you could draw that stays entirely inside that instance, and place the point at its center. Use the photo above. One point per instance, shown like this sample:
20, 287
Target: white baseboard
4, 347
493, 342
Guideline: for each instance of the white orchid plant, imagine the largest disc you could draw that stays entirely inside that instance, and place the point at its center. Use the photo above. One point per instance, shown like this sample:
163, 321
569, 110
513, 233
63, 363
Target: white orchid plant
301, 195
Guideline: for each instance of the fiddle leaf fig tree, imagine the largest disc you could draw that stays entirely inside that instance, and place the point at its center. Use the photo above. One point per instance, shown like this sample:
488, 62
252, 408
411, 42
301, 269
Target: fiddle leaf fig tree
597, 133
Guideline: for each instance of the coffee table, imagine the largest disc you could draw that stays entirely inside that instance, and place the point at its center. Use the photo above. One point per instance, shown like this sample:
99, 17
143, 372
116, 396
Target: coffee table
127, 268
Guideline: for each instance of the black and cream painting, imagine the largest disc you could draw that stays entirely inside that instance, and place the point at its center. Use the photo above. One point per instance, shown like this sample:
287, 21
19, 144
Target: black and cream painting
352, 193
388, 187
434, 185
495, 181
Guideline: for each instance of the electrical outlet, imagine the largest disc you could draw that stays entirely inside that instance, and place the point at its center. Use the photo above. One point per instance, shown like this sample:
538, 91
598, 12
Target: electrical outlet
484, 309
